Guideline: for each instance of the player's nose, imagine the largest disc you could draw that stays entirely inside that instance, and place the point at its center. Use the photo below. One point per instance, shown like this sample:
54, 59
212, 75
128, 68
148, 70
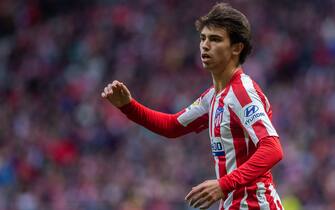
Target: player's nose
205, 46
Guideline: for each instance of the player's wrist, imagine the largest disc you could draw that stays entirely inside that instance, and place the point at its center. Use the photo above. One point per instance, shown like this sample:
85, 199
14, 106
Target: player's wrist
123, 103
127, 105
225, 185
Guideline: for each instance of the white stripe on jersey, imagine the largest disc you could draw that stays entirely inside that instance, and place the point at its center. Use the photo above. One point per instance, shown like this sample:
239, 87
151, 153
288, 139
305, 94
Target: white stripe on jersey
247, 140
275, 196
244, 204
260, 193
229, 200
249, 87
217, 170
240, 111
235, 104
227, 140
197, 109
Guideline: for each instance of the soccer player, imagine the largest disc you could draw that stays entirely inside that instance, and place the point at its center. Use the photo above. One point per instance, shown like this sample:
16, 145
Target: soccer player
244, 143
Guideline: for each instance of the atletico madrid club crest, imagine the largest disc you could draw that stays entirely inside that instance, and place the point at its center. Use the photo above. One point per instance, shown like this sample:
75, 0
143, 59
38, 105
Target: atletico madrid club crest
218, 116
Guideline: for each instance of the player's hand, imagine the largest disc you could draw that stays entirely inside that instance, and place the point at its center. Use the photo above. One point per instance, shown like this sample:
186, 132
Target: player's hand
205, 194
117, 93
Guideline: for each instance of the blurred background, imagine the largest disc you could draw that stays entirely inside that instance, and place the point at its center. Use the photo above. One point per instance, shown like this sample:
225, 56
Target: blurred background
64, 148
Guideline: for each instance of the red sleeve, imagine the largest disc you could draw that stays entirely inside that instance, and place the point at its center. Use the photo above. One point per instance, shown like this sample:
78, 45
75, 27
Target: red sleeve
161, 123
268, 153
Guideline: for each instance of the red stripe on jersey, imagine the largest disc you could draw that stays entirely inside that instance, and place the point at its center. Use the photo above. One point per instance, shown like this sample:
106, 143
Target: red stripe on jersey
221, 204
237, 197
241, 93
217, 126
240, 146
222, 166
252, 199
269, 198
211, 116
260, 130
279, 204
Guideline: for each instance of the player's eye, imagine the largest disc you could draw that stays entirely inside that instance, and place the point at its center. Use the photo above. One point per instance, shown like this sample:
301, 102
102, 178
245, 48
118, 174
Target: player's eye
216, 39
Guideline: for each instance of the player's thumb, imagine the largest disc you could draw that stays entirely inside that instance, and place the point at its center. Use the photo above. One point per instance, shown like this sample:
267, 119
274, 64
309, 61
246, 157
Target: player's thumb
125, 90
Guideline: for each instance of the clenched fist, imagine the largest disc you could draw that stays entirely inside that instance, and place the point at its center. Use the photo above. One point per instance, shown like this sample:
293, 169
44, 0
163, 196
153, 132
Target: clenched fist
117, 93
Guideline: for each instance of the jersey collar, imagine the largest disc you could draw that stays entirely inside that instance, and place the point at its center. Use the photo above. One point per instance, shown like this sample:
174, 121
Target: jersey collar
237, 74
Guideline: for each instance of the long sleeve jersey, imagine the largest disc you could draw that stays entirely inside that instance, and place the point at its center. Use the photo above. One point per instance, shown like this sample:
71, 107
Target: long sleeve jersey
244, 143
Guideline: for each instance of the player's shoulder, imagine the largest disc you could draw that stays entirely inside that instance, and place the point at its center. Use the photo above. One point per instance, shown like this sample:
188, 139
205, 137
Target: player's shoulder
241, 80
244, 83
208, 93
243, 91
241, 84
203, 100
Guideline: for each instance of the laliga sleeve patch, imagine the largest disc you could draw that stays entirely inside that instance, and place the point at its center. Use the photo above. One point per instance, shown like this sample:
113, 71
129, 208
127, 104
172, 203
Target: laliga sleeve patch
194, 104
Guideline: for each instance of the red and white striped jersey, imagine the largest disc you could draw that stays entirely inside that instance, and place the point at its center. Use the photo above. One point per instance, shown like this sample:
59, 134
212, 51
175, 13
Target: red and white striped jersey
238, 116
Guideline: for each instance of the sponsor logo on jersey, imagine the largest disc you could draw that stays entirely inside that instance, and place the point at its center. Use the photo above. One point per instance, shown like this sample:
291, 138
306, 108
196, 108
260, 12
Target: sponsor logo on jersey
251, 114
217, 148
250, 110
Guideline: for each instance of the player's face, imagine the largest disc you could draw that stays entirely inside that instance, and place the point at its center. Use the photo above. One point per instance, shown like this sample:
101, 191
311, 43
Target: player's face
216, 50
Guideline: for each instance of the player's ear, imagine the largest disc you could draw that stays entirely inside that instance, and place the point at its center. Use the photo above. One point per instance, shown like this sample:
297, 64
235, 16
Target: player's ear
237, 48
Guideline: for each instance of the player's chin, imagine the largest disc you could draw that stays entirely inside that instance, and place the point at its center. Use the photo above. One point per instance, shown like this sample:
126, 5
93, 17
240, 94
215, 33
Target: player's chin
207, 65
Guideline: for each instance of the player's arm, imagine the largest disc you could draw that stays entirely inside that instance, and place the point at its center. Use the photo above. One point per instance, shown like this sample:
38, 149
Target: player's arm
254, 113
268, 153
161, 123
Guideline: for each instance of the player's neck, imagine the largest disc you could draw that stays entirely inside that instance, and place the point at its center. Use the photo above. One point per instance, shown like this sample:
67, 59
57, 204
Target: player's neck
222, 77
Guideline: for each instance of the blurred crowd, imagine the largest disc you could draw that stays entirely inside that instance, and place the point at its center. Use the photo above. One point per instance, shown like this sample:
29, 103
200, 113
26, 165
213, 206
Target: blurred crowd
64, 148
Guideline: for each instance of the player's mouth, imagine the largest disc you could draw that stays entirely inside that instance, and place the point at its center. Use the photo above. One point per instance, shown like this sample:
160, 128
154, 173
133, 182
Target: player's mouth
205, 57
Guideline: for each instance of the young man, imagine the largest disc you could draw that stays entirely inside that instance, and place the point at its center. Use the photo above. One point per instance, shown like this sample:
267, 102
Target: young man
244, 143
